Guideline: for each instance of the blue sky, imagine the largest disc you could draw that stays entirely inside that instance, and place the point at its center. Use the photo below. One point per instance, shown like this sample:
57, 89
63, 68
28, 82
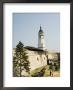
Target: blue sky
26, 27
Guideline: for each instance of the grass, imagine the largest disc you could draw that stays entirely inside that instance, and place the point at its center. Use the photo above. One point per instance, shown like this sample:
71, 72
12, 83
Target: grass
46, 69
34, 72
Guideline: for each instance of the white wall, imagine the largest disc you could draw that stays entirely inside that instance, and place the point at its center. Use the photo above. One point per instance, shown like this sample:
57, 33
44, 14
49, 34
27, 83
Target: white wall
34, 62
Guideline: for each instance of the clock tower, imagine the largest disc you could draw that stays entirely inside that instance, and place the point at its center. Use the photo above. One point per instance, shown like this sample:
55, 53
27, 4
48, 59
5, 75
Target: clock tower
41, 43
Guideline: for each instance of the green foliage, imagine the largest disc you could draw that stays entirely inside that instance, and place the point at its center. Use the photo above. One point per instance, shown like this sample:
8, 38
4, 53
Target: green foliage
50, 66
20, 60
57, 67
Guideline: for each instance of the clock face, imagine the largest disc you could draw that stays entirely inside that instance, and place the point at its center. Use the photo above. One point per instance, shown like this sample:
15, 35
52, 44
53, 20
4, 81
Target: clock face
42, 36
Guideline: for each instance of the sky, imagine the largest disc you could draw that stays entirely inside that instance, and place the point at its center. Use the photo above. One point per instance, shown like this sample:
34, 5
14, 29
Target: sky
26, 27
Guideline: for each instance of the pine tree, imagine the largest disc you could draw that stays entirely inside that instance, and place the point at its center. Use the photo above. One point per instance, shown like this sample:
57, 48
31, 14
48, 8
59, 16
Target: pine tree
20, 60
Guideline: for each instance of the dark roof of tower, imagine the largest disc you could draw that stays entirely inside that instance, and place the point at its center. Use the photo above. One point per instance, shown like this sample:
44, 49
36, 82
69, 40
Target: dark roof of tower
40, 29
33, 48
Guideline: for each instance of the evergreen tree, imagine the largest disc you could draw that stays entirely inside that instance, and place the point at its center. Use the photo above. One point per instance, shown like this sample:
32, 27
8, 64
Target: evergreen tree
20, 60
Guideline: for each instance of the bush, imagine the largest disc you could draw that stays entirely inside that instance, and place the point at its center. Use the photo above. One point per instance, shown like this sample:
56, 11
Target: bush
50, 66
57, 67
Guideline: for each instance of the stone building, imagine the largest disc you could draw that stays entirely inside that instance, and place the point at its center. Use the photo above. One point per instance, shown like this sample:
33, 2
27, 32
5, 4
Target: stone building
39, 56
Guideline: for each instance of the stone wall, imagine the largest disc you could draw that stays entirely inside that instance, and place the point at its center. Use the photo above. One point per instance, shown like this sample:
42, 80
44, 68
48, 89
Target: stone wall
37, 59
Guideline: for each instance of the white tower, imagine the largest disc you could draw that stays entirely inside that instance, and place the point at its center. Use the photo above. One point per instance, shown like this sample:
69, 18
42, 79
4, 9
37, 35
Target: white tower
41, 43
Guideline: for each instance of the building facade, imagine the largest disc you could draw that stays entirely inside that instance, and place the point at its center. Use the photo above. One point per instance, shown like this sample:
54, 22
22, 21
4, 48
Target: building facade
39, 56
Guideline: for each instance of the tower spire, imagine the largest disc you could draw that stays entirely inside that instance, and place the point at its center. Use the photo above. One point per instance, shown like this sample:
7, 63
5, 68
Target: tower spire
41, 29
